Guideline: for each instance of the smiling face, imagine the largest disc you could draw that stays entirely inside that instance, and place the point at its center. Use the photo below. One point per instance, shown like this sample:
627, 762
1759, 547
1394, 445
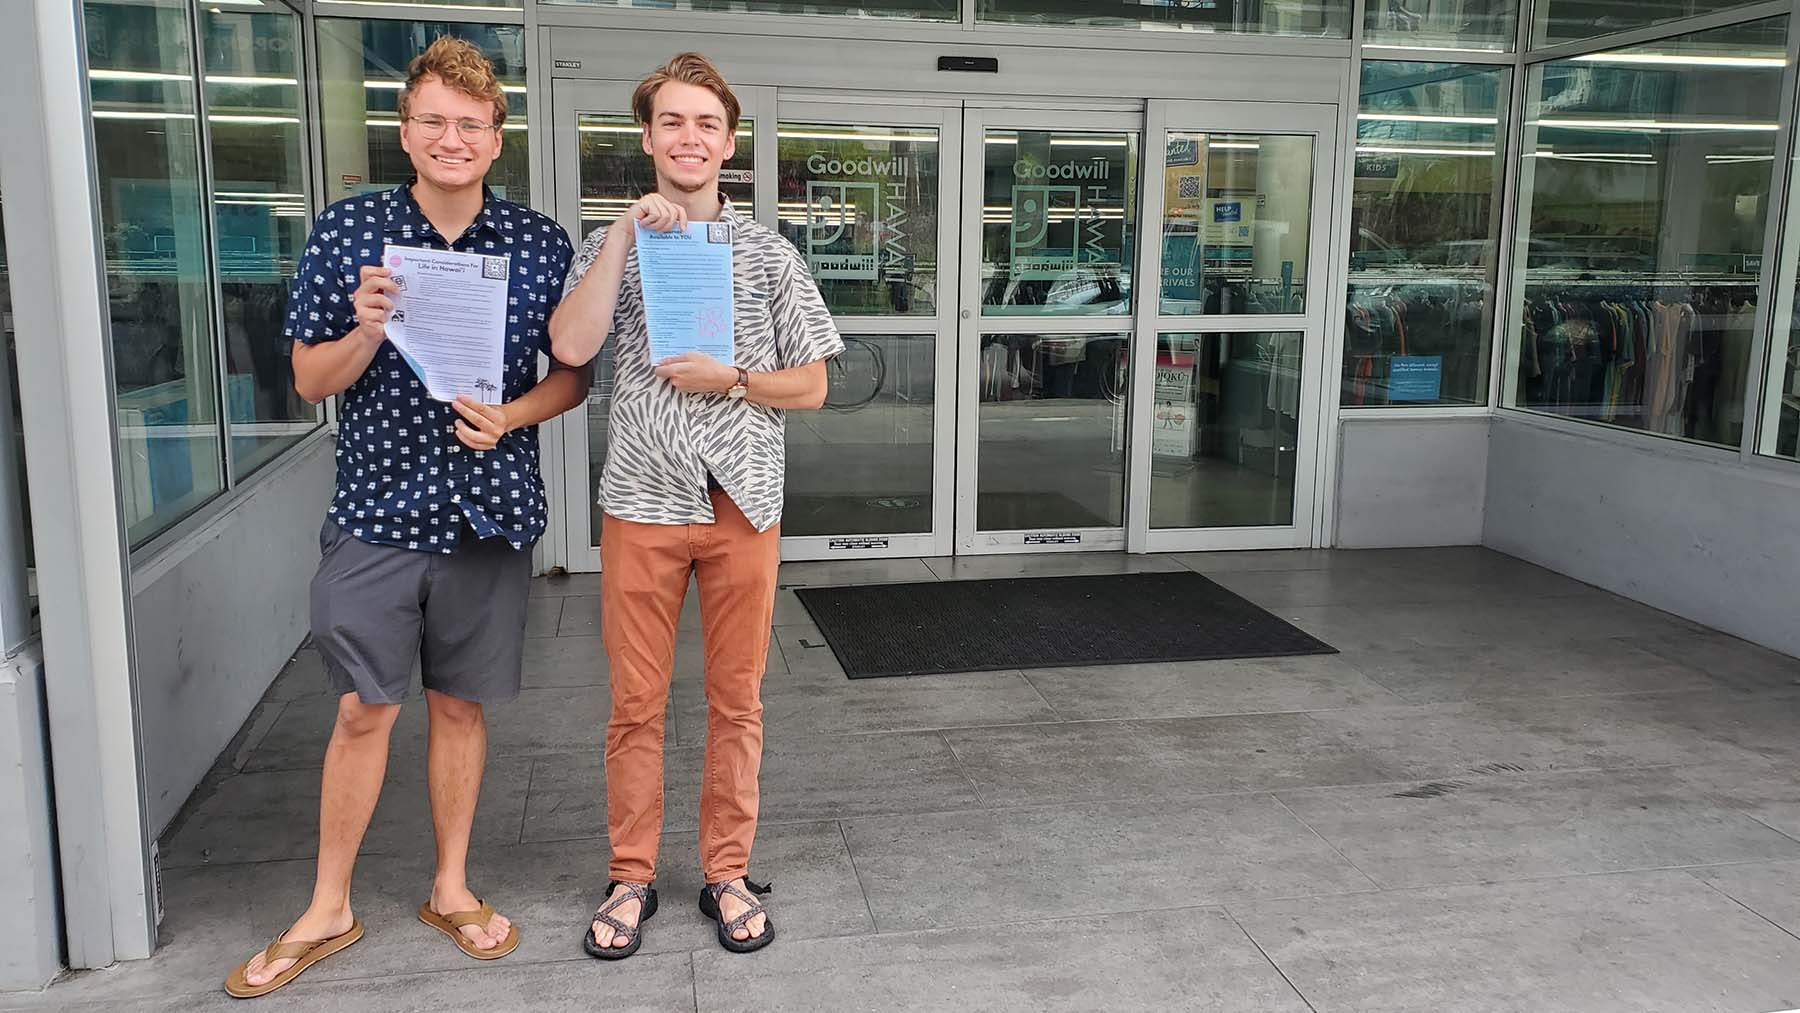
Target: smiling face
449, 162
688, 136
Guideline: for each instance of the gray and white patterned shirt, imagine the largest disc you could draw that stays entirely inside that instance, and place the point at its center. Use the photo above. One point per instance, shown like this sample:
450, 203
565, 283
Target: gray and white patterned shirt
661, 443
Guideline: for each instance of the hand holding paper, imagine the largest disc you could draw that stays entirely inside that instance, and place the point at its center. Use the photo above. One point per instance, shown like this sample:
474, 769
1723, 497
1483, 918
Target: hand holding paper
686, 277
449, 319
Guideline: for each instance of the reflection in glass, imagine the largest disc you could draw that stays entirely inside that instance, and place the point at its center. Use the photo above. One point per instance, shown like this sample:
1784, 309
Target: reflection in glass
1643, 207
861, 203
1450, 24
912, 10
863, 464
1325, 18
260, 216
614, 173
1559, 21
1059, 220
141, 71
1052, 431
1425, 226
1236, 215
1225, 430
362, 67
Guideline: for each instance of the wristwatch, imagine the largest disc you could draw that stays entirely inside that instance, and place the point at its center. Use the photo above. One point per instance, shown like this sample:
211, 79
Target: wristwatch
742, 387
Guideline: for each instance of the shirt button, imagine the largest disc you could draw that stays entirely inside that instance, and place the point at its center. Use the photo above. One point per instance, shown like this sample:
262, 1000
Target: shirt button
456, 497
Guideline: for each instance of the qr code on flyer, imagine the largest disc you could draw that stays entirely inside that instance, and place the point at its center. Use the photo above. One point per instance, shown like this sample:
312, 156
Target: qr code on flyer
493, 268
1189, 188
718, 232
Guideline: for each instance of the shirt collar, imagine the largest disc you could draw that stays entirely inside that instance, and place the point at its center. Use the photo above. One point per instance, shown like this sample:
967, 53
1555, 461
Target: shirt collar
729, 214
403, 213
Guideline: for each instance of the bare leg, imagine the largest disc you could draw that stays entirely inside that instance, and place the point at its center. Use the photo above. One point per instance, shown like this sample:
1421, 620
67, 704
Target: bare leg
458, 755
355, 764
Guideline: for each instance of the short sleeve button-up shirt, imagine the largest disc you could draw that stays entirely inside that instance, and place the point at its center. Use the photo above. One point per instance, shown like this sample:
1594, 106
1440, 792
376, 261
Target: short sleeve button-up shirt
403, 478
661, 443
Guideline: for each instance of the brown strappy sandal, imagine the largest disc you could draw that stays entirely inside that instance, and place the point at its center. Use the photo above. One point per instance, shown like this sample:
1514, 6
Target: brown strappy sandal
709, 906
451, 925
645, 895
304, 954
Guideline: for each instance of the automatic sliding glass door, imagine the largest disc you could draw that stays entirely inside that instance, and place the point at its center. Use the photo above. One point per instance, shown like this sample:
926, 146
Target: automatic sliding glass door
1050, 230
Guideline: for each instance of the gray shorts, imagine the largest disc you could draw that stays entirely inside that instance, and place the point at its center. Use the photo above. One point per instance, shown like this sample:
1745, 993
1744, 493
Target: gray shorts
376, 609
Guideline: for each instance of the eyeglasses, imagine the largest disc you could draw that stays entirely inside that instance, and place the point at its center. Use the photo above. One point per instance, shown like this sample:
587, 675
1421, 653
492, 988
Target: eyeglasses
433, 126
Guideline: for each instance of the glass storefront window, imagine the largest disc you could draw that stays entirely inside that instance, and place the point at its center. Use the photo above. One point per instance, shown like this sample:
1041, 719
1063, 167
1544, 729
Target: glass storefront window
362, 67
1059, 220
861, 203
1237, 211
1424, 235
1480, 25
260, 215
912, 10
1324, 18
1557, 21
1225, 429
1643, 201
141, 69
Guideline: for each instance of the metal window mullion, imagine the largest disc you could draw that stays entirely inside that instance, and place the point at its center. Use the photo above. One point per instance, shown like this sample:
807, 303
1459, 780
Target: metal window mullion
311, 147
1428, 54
1656, 32
421, 11
209, 245
1775, 289
1507, 291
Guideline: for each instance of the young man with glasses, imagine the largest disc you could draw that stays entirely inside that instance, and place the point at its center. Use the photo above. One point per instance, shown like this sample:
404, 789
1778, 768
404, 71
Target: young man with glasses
427, 543
693, 485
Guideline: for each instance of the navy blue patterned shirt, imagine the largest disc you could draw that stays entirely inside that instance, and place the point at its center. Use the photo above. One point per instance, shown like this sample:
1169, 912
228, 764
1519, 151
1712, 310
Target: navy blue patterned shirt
403, 478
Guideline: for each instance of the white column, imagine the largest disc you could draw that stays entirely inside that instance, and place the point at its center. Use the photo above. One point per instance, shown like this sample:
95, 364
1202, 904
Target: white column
65, 360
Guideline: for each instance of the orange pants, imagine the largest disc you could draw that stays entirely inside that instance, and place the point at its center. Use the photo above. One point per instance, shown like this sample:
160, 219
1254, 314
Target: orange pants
644, 572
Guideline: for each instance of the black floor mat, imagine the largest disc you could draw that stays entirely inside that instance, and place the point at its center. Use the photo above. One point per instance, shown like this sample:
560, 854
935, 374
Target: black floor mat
1044, 622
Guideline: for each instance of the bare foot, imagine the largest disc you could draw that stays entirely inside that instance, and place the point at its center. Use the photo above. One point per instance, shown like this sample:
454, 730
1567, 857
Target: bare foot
447, 901
627, 913
730, 906
313, 925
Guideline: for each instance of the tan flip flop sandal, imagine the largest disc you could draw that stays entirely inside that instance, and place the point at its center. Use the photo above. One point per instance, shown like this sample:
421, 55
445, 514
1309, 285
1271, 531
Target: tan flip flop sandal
303, 954
451, 924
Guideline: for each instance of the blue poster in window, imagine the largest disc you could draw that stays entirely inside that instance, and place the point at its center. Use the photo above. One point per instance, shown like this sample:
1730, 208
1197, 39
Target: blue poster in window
1228, 211
1415, 378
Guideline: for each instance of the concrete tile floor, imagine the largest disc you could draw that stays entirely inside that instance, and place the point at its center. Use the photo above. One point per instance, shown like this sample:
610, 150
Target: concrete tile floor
1509, 792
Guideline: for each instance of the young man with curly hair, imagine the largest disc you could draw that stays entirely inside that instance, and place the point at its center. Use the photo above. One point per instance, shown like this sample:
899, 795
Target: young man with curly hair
427, 544
692, 486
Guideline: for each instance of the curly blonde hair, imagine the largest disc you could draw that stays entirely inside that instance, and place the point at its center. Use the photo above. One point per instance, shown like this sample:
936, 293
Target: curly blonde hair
461, 67
688, 68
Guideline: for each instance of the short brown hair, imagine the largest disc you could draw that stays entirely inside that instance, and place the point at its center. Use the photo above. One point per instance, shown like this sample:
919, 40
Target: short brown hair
688, 68
461, 67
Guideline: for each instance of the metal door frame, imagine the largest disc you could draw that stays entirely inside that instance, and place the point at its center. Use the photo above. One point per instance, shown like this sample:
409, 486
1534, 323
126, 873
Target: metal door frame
1320, 120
